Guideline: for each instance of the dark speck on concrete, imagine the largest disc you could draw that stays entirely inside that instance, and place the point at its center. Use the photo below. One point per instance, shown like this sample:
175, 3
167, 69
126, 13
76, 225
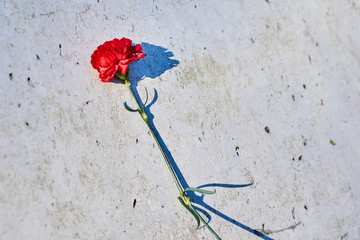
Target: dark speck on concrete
267, 129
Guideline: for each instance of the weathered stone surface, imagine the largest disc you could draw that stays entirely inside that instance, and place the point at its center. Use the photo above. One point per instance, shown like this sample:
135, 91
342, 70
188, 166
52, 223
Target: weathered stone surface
247, 92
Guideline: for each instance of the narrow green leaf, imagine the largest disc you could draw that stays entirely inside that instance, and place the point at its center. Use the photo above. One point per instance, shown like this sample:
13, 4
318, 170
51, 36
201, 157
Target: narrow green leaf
199, 190
128, 108
209, 228
198, 216
191, 210
147, 97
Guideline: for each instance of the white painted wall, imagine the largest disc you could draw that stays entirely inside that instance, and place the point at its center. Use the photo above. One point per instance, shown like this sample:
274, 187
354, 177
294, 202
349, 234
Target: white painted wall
73, 160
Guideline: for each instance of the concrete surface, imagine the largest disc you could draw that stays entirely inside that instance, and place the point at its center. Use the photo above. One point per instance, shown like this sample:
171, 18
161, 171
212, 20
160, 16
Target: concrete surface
73, 160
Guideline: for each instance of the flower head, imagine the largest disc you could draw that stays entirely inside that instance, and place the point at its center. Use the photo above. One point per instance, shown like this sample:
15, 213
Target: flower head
115, 56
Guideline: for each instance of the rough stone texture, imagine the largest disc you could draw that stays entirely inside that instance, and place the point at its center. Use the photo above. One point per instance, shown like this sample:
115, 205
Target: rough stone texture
73, 160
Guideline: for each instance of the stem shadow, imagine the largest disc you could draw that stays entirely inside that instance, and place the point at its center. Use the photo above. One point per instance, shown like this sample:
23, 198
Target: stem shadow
195, 198
156, 62
225, 185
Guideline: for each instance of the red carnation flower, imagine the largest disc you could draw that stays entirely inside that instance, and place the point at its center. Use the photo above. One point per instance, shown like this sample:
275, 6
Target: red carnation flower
115, 56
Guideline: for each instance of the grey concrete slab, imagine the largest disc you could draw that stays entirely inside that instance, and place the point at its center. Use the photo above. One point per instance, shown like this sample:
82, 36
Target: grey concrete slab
259, 92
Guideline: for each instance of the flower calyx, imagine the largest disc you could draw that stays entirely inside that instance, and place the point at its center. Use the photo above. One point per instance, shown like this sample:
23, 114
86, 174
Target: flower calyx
124, 77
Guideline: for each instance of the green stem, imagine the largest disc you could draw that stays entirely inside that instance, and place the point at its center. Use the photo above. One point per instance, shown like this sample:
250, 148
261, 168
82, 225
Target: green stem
145, 117
185, 201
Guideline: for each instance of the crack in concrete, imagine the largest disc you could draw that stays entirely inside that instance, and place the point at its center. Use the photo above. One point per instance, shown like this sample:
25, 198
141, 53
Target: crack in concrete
48, 14
344, 236
268, 231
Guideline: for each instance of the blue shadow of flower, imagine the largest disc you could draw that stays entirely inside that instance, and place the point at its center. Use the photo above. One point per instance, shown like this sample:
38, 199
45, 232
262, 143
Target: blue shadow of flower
156, 62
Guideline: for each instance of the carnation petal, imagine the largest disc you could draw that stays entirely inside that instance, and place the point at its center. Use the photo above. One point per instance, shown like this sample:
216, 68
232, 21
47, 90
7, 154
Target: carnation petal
137, 48
106, 74
126, 41
123, 68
